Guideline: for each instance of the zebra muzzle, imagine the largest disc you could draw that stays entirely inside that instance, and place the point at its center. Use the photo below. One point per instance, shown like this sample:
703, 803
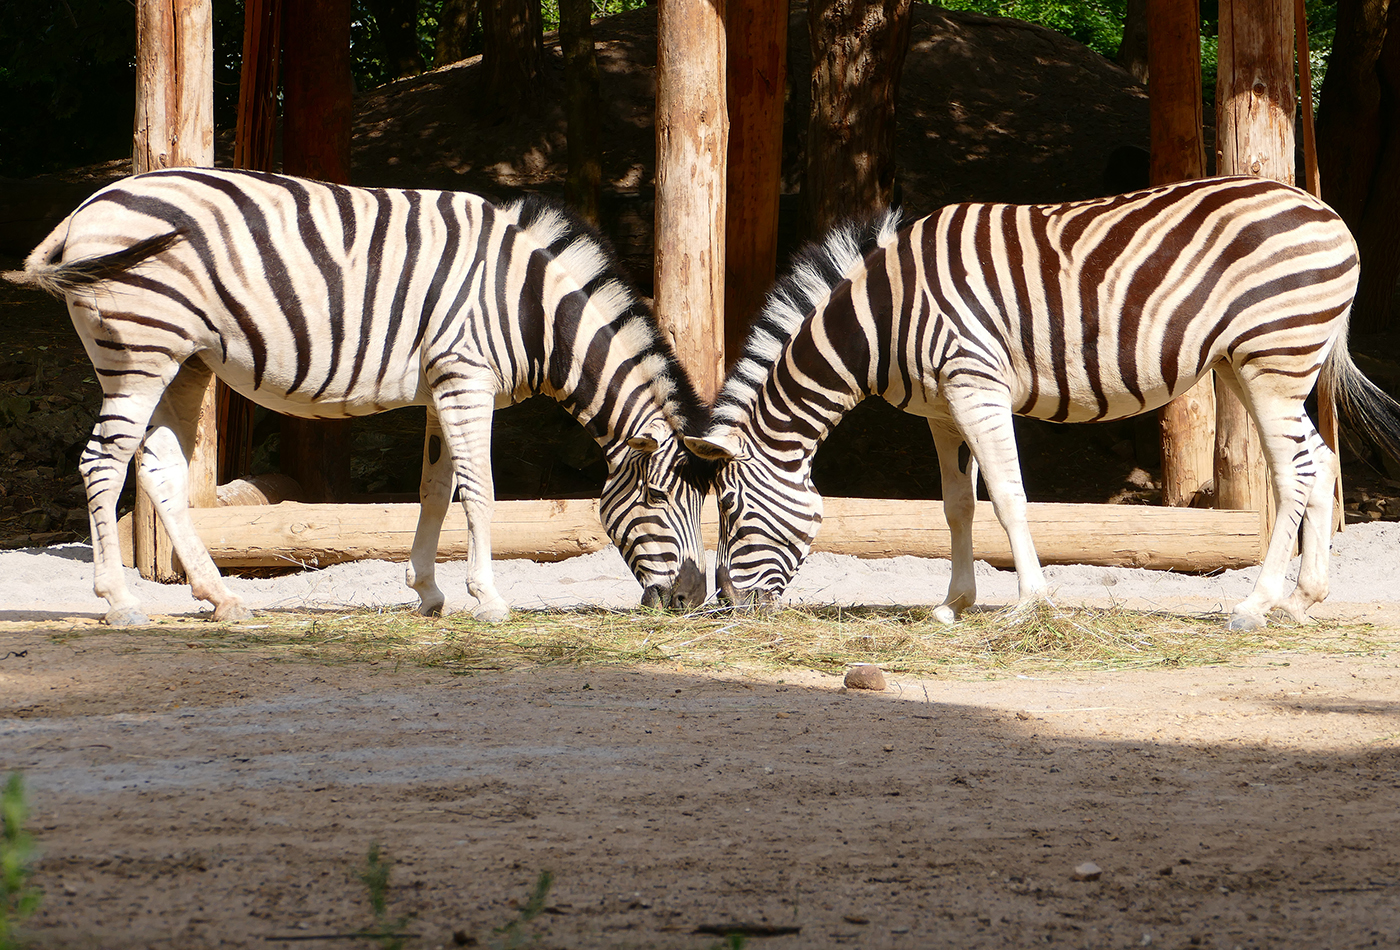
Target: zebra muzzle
687, 593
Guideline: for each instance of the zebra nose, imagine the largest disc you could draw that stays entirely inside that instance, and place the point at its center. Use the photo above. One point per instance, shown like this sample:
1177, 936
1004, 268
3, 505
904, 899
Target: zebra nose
690, 589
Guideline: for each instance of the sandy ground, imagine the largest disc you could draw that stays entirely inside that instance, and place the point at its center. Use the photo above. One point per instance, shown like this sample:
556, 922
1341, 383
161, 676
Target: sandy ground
189, 797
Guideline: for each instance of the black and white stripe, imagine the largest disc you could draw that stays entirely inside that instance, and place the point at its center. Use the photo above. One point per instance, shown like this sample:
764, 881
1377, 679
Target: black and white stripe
1093, 310
326, 301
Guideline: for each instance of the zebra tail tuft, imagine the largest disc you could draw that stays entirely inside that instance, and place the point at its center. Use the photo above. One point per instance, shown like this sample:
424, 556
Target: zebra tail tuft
60, 279
1365, 405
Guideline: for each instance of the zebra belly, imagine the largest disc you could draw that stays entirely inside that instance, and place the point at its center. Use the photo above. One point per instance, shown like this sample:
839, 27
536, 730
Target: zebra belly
366, 401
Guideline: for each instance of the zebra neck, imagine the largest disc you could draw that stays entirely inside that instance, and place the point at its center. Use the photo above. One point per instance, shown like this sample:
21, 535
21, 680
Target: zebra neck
790, 422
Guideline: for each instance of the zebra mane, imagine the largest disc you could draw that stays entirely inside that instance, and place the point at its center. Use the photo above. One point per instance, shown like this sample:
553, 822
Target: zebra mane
817, 269
582, 250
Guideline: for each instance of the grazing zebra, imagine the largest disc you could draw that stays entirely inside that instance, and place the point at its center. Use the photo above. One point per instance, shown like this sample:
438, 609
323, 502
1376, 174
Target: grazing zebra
325, 301
1093, 310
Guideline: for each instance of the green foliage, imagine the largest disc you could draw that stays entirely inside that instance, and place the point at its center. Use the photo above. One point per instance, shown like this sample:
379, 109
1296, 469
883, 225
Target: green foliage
375, 877
1098, 24
512, 934
17, 899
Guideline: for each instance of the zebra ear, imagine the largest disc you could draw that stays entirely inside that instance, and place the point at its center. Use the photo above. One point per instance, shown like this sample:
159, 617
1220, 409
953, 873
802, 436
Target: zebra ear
649, 439
719, 445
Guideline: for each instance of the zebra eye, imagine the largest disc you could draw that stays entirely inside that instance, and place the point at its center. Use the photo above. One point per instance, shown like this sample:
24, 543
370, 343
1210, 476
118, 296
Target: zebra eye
726, 502
657, 496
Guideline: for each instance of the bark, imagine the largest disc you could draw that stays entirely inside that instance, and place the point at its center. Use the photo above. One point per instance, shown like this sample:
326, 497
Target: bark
1349, 131
512, 55
1187, 423
398, 35
692, 144
757, 81
1378, 230
858, 50
174, 127
1254, 136
317, 101
456, 23
585, 175
1132, 51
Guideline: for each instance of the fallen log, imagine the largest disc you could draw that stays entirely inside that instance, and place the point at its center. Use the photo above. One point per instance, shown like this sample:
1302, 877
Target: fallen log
1177, 539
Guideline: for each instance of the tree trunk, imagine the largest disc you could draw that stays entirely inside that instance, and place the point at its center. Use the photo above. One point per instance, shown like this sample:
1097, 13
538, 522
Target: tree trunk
1254, 136
1187, 423
692, 144
456, 23
1378, 231
316, 144
512, 54
253, 147
174, 127
858, 50
757, 81
1349, 132
1132, 51
398, 34
585, 175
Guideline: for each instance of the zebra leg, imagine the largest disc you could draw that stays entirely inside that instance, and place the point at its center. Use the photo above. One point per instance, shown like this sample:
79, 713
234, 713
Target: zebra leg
1285, 433
464, 410
434, 493
129, 397
959, 504
984, 418
164, 474
1316, 536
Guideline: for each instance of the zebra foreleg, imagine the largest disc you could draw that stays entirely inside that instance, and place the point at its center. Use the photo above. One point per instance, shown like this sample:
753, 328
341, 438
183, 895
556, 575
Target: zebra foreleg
984, 418
464, 411
959, 505
434, 494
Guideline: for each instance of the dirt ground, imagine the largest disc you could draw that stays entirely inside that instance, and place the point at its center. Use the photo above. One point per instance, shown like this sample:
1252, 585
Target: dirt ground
190, 797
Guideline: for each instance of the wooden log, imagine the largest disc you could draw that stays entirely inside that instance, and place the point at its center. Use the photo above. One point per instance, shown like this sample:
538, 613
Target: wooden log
1178, 539
318, 94
1187, 423
1254, 136
174, 127
757, 32
692, 144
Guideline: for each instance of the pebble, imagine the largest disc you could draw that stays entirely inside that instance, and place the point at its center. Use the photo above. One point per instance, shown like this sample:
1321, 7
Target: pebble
865, 676
1088, 871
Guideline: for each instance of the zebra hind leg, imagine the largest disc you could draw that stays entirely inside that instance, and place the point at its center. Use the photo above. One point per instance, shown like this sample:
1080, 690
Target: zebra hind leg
1287, 437
1316, 536
959, 505
434, 494
163, 473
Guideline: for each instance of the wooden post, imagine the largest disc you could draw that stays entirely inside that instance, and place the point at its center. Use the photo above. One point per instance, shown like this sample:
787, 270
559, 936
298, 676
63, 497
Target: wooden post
174, 126
253, 144
581, 107
317, 110
1254, 136
1187, 423
692, 143
757, 34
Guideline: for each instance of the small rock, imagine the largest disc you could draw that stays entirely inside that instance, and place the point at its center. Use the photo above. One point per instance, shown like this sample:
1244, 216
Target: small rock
865, 676
1088, 871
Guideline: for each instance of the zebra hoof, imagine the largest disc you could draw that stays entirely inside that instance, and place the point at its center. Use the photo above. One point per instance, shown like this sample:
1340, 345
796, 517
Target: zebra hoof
430, 610
945, 614
126, 617
492, 612
1244, 623
231, 612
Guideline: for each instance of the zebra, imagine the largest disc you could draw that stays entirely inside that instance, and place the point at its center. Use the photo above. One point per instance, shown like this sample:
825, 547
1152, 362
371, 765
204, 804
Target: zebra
1086, 311
325, 301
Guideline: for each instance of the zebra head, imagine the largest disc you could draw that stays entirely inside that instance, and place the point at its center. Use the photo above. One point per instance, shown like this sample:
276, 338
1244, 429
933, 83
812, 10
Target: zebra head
650, 506
768, 517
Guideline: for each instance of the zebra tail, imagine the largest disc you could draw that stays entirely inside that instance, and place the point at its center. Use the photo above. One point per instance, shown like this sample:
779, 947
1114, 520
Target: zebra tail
42, 273
1365, 405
